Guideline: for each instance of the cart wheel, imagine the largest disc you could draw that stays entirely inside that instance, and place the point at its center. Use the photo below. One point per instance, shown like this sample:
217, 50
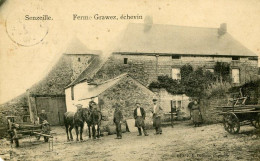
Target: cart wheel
231, 123
256, 122
16, 141
46, 139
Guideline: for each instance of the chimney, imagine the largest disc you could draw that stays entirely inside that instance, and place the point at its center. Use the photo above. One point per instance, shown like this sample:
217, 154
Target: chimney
222, 29
148, 22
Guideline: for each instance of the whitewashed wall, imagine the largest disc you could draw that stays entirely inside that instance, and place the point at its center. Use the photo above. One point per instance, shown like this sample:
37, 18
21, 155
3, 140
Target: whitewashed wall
165, 102
81, 92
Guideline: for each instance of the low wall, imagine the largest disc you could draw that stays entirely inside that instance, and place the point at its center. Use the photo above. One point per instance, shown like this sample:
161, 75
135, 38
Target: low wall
210, 113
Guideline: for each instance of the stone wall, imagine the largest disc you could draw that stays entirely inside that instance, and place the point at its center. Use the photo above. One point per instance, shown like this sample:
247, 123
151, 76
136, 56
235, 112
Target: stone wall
126, 93
79, 62
56, 79
210, 110
66, 69
146, 68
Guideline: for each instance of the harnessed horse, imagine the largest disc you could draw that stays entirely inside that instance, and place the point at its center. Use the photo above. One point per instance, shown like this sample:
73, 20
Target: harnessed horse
76, 120
96, 118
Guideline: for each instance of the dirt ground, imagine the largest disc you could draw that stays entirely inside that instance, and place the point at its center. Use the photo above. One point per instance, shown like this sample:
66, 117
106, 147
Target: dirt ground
183, 142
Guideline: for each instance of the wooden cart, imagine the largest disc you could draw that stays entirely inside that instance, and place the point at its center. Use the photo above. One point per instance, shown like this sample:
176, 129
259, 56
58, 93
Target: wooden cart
18, 131
240, 114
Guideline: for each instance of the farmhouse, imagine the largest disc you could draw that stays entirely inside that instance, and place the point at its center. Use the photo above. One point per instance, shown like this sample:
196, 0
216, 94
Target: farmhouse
48, 94
147, 51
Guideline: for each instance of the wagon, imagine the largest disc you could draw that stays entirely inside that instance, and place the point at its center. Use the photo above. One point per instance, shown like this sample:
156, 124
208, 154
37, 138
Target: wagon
18, 131
240, 114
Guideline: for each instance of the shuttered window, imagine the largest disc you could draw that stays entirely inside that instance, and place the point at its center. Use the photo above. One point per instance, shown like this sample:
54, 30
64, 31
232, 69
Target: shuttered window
235, 76
176, 73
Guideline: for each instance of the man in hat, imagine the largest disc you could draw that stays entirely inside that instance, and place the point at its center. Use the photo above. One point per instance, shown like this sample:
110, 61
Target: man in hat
157, 110
92, 103
118, 118
42, 116
139, 115
79, 106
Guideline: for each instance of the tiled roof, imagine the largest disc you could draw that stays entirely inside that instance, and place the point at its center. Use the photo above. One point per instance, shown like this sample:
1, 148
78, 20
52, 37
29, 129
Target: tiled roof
170, 39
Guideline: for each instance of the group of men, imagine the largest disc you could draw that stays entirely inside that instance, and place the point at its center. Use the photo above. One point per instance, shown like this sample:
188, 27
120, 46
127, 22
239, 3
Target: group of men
139, 116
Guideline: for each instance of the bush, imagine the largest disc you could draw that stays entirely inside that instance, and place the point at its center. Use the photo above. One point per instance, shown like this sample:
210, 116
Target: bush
217, 89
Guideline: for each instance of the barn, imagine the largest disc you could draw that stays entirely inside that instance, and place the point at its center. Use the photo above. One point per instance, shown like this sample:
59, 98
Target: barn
48, 94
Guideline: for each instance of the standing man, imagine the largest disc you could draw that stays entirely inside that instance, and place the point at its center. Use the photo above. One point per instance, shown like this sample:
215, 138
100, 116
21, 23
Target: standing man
190, 106
118, 119
139, 115
42, 116
157, 110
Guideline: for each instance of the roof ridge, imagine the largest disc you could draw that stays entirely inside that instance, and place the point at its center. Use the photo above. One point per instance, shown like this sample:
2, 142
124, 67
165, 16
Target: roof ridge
176, 25
115, 78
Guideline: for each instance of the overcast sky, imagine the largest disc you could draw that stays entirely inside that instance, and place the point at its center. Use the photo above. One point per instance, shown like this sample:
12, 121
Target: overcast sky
28, 49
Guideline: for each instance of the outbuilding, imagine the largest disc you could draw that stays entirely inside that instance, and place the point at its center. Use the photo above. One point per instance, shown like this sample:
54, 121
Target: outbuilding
122, 89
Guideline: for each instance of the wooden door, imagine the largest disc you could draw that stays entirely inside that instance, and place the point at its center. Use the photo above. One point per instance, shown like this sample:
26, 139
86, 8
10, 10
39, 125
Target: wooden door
54, 106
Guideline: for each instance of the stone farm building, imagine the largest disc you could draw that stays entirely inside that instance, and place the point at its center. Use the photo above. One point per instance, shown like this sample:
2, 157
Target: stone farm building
122, 89
148, 51
49, 94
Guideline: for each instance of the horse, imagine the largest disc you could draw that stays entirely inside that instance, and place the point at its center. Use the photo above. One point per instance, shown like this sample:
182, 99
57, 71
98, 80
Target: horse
93, 119
76, 120
96, 118
69, 124
88, 119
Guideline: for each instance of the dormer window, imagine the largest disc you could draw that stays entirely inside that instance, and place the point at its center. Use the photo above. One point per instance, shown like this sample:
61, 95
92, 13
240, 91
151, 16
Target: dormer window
176, 57
235, 58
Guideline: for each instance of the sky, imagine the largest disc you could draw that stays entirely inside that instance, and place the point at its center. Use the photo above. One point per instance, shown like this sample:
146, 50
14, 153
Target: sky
29, 48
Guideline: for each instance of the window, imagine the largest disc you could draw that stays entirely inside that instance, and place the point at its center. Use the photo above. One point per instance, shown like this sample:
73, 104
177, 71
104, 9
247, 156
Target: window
176, 73
176, 105
235, 58
125, 60
235, 76
72, 92
211, 70
78, 59
176, 56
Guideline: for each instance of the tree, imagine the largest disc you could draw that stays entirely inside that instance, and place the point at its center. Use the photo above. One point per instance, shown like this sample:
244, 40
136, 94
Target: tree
185, 71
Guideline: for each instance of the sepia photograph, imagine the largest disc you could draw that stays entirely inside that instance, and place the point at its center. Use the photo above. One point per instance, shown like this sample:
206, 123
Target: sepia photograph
113, 80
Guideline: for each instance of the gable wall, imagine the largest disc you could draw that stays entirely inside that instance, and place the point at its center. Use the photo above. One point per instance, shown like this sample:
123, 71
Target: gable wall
125, 93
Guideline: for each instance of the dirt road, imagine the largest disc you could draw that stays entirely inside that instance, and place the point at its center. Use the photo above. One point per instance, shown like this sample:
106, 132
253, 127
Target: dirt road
183, 142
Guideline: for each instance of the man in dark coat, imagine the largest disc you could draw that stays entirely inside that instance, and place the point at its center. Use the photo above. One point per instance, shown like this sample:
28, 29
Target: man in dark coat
118, 119
139, 115
42, 116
